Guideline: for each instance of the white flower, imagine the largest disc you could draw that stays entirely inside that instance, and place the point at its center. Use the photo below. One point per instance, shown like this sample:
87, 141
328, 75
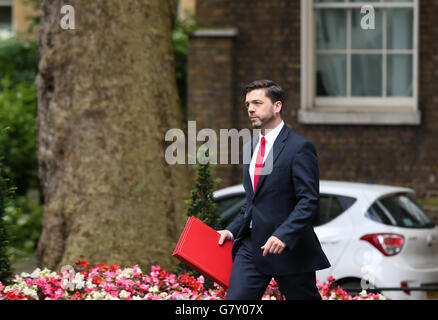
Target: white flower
79, 280
124, 294
126, 273
36, 273
66, 284
154, 289
29, 291
163, 295
332, 296
96, 295
90, 284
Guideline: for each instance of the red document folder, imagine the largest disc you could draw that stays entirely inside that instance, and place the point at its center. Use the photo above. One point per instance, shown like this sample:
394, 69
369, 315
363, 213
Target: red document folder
198, 247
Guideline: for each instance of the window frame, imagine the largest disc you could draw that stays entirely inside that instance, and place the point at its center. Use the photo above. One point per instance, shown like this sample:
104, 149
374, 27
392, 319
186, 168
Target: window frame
354, 110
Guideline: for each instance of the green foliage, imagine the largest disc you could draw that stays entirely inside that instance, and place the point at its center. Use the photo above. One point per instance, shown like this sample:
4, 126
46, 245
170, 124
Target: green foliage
18, 139
201, 203
23, 220
18, 61
180, 36
5, 194
18, 114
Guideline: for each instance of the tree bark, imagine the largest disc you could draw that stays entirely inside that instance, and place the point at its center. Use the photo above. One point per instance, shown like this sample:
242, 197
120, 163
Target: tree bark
107, 94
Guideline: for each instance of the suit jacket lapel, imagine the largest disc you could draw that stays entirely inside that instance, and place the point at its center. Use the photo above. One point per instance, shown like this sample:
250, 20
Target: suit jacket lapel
247, 156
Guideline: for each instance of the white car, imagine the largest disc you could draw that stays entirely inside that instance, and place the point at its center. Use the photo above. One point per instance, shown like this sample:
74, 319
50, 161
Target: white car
375, 236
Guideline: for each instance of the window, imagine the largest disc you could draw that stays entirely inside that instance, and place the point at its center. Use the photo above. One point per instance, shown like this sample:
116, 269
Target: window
330, 207
5, 18
355, 75
399, 210
229, 207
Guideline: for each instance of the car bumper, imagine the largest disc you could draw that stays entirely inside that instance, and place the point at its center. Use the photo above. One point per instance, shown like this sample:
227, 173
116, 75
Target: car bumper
396, 276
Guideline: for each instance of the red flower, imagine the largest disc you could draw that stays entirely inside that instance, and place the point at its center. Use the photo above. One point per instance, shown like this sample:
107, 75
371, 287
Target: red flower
114, 267
96, 280
85, 264
12, 295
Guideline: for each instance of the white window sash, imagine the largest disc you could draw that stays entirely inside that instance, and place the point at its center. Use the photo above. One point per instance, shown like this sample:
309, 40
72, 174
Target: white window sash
310, 102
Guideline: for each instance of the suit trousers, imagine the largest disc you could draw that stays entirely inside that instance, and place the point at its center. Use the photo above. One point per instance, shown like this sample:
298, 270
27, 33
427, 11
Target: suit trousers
247, 283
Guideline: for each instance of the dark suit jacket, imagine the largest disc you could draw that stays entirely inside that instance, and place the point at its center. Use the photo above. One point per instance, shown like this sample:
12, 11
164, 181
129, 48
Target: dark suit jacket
285, 201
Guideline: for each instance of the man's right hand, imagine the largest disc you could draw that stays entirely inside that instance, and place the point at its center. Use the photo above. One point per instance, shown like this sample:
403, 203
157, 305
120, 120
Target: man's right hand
225, 235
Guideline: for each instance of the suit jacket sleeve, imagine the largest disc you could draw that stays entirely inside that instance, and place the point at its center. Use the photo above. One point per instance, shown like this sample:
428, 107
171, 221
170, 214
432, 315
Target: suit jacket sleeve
305, 175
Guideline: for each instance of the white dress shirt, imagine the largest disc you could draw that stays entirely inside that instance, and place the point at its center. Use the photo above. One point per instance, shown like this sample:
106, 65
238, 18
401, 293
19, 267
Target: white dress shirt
269, 142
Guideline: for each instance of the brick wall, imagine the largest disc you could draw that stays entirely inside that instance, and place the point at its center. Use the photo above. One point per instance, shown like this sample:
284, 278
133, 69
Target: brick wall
268, 47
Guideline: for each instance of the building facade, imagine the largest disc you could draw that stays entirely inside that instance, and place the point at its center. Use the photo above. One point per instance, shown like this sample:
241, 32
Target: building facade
361, 81
16, 18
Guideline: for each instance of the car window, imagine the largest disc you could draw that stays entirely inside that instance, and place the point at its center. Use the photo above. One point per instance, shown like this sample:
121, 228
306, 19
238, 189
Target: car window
228, 207
376, 213
346, 202
226, 202
328, 209
401, 210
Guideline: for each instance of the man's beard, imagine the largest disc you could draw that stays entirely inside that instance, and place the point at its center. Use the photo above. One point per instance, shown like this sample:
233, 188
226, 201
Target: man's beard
262, 122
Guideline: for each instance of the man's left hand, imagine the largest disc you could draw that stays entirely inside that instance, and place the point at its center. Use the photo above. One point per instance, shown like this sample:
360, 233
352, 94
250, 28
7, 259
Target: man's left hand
273, 246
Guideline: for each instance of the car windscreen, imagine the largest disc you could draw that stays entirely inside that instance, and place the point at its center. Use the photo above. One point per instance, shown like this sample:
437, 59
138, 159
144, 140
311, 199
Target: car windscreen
399, 210
229, 206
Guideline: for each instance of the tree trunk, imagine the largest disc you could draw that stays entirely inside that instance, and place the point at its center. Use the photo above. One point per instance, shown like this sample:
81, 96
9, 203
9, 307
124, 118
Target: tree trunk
107, 94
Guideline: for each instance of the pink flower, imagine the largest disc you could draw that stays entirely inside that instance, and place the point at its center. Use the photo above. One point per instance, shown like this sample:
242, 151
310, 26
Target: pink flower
155, 268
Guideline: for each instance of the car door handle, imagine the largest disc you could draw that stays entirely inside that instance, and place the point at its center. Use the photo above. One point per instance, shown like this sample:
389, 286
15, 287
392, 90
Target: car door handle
330, 241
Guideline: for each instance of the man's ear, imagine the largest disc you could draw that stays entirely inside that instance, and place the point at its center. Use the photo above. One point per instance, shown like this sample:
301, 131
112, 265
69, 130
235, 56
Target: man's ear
277, 106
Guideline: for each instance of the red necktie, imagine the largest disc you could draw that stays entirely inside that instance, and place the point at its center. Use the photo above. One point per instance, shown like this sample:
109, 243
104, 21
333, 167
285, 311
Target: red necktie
259, 162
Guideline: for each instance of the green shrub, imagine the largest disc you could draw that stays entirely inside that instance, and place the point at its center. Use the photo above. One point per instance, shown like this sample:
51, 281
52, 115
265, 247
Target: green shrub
201, 203
18, 61
18, 112
5, 193
23, 220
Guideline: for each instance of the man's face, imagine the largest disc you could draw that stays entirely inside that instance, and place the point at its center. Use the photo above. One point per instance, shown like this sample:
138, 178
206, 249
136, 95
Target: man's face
261, 110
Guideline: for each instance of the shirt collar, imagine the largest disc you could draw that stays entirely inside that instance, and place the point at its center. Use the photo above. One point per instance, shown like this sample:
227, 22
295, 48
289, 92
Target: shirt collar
272, 134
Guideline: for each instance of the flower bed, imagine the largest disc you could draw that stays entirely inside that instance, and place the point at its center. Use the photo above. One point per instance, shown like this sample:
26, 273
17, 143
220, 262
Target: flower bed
102, 282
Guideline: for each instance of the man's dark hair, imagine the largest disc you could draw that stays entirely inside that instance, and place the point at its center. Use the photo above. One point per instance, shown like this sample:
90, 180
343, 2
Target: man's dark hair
273, 91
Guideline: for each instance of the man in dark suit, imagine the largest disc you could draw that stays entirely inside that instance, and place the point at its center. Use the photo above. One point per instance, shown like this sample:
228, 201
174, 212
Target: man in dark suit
273, 234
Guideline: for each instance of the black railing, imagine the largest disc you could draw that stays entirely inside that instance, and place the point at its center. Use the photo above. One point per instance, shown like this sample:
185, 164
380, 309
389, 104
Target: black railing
424, 288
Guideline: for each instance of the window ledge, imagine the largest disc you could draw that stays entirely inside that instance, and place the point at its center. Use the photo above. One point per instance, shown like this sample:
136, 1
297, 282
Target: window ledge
359, 118
216, 33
